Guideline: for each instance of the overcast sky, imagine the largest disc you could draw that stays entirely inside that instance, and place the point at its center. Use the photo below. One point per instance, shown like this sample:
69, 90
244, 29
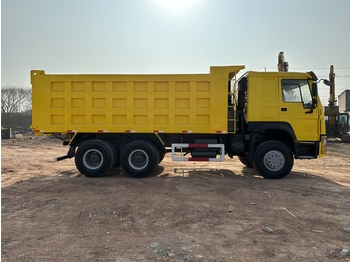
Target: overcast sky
173, 36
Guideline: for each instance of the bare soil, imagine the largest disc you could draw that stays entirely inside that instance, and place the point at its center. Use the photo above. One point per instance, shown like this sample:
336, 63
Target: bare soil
182, 212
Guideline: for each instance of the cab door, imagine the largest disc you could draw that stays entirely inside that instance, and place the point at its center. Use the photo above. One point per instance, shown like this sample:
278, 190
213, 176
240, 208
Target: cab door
296, 108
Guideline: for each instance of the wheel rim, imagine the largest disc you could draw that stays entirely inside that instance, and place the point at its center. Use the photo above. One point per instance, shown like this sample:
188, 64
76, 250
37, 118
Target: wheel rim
274, 160
93, 159
138, 159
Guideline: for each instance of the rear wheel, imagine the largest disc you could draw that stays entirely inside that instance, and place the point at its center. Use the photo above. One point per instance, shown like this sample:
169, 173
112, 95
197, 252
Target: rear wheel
273, 160
161, 155
116, 155
94, 158
139, 158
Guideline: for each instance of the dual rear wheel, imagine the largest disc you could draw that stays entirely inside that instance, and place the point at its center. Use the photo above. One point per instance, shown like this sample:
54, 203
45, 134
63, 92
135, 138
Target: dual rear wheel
94, 158
139, 158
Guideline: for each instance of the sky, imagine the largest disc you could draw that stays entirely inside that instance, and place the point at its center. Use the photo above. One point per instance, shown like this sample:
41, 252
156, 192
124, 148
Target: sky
173, 36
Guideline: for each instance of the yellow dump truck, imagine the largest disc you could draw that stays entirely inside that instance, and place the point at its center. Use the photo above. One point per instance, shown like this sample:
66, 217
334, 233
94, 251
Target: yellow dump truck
265, 118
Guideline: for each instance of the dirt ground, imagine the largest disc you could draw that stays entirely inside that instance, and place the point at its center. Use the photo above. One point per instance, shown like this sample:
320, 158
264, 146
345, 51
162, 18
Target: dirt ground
183, 212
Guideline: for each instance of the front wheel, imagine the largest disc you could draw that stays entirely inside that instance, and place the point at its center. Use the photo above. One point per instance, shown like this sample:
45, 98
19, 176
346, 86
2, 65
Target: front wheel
273, 160
139, 158
245, 160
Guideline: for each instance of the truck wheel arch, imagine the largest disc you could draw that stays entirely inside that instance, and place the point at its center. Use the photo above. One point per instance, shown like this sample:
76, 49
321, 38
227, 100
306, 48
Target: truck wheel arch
258, 128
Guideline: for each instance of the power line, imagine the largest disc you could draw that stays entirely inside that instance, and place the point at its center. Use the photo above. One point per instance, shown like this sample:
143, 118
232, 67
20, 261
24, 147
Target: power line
336, 76
336, 67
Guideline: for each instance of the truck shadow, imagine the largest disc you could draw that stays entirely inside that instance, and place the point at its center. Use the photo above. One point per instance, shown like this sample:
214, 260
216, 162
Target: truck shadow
204, 172
162, 172
189, 172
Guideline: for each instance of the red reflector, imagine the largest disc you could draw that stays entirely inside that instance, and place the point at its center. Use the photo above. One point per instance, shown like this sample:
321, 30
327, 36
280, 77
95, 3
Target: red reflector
198, 159
197, 145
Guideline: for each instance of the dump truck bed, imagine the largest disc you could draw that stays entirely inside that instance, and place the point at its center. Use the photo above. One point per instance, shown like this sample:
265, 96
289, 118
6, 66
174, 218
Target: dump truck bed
191, 103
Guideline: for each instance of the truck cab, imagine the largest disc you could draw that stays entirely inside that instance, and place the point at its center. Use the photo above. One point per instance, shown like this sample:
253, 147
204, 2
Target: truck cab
282, 107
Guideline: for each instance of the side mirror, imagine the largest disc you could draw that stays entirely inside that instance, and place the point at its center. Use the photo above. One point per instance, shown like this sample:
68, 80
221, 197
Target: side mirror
314, 90
327, 82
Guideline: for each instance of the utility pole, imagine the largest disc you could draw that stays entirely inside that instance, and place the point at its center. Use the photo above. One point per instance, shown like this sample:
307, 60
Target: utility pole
332, 111
332, 87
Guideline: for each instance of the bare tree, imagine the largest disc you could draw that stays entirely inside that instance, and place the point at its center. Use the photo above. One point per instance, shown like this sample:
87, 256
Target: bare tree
14, 101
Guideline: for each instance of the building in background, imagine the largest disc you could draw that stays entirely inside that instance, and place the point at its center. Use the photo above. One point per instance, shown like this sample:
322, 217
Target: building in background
344, 105
344, 101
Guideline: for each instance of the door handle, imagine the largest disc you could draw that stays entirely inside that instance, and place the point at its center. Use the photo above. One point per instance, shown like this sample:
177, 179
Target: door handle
283, 109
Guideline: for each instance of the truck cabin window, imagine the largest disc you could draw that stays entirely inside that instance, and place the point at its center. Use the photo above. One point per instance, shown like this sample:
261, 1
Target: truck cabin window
296, 91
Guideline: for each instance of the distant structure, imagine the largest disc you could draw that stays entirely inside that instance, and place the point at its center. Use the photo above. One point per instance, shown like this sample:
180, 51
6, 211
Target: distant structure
282, 65
344, 101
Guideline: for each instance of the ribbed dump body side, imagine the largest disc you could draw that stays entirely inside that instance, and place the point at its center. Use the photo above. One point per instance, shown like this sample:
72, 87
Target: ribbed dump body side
194, 103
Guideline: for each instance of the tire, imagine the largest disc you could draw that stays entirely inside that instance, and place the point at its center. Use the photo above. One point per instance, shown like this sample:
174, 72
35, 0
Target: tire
158, 155
245, 161
94, 158
161, 155
139, 158
273, 160
116, 155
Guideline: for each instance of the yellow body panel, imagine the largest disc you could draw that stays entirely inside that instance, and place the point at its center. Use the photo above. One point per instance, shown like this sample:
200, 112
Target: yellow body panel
195, 103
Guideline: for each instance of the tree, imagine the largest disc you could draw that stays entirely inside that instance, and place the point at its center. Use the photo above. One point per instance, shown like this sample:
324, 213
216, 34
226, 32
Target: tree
14, 102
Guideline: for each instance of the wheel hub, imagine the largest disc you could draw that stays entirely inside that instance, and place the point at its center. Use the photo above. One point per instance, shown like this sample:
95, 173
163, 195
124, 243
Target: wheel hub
93, 159
274, 160
138, 159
